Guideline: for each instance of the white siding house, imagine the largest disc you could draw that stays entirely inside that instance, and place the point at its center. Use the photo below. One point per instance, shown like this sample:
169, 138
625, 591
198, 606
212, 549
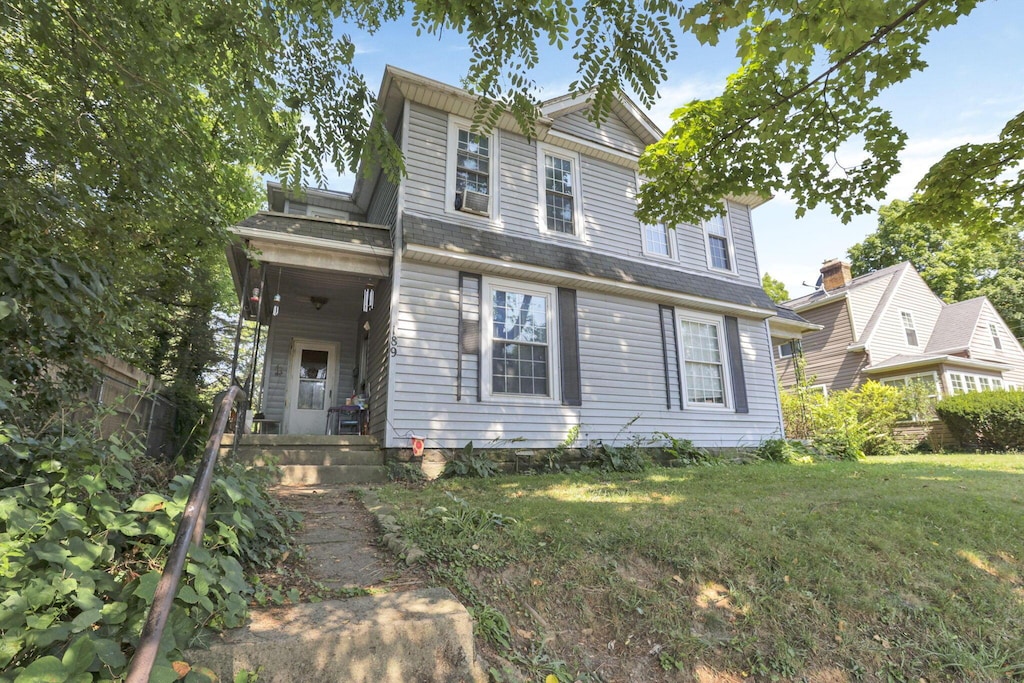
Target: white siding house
515, 294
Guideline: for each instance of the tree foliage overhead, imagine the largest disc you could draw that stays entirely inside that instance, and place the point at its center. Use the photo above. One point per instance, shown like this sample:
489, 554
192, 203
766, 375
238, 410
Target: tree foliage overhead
774, 288
958, 261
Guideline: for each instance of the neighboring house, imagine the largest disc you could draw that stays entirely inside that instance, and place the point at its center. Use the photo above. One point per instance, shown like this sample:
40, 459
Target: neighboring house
504, 290
890, 327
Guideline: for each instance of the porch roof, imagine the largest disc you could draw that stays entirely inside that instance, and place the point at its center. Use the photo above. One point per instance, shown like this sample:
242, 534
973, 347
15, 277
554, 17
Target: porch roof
315, 228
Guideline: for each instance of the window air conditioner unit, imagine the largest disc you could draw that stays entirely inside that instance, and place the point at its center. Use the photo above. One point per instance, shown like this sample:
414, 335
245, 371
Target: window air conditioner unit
473, 202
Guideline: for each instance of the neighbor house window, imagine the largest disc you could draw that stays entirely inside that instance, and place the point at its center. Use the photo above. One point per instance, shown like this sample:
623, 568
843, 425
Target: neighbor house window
471, 165
963, 383
972, 382
908, 327
994, 331
928, 380
789, 349
956, 382
519, 340
719, 241
560, 191
703, 361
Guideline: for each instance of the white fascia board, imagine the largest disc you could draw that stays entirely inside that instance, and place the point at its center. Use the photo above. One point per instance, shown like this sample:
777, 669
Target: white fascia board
829, 299
552, 275
945, 360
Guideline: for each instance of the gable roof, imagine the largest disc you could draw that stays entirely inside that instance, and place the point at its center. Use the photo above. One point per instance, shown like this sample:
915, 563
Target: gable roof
955, 326
821, 296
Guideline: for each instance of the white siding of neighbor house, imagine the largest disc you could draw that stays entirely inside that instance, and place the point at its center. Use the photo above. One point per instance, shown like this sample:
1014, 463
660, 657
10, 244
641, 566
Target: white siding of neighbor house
613, 132
607, 198
336, 322
622, 376
983, 348
889, 339
864, 299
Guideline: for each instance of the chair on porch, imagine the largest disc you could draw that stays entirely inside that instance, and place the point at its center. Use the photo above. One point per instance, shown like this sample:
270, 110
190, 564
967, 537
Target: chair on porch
349, 419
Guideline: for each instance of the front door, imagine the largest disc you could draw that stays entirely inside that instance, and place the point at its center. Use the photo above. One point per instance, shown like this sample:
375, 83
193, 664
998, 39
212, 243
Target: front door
312, 381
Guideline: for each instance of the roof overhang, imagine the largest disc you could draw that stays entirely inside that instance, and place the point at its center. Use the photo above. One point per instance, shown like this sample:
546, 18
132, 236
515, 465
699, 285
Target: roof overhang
817, 303
937, 360
785, 328
562, 278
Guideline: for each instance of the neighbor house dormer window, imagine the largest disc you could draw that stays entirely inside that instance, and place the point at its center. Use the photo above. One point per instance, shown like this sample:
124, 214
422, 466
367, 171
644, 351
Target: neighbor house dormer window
908, 327
994, 331
719, 242
471, 171
560, 191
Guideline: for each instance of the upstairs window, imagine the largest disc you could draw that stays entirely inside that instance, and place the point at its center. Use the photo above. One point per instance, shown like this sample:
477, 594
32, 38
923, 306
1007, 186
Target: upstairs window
656, 240
908, 327
994, 331
471, 163
719, 242
560, 193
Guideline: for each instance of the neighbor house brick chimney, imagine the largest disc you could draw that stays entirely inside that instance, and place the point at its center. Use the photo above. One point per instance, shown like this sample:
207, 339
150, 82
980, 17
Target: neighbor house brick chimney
835, 274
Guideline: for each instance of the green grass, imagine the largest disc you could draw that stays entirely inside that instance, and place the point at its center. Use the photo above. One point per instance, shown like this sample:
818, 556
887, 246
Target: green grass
888, 569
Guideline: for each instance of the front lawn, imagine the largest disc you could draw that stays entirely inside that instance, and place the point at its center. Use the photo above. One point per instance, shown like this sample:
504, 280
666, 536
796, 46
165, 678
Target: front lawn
888, 569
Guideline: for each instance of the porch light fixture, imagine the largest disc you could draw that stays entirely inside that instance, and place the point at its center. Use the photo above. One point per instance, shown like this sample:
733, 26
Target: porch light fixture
318, 301
367, 299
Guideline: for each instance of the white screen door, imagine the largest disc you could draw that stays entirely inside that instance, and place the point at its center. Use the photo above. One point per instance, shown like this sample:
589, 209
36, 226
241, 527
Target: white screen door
312, 381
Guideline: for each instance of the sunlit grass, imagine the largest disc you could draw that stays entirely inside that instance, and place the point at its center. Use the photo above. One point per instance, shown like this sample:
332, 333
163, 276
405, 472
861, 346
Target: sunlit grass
886, 569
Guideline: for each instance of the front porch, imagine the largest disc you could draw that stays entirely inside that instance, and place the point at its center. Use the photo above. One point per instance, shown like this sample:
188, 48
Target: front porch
309, 301
308, 460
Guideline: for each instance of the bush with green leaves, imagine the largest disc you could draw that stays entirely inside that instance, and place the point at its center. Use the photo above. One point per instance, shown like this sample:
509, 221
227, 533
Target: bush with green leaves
82, 546
987, 420
469, 463
682, 452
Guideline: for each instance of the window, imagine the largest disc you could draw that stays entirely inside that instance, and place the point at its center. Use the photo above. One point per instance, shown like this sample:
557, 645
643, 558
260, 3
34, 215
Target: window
518, 344
961, 383
703, 362
471, 160
656, 240
908, 327
789, 349
560, 191
930, 383
994, 331
997, 383
956, 382
719, 242
972, 382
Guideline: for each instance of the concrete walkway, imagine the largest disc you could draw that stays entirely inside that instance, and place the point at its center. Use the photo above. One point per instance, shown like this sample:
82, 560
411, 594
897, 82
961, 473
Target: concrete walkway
402, 632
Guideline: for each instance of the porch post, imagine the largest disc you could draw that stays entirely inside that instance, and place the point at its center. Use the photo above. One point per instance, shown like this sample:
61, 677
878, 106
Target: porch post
241, 319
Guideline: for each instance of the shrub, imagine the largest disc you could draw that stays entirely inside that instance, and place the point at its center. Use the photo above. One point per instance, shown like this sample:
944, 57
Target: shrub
988, 420
683, 452
607, 458
469, 463
775, 450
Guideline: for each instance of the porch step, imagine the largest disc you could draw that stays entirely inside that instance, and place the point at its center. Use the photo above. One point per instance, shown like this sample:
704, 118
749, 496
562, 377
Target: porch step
424, 635
311, 460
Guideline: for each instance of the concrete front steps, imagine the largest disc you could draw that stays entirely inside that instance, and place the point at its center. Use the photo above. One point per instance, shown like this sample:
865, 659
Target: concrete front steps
406, 637
312, 460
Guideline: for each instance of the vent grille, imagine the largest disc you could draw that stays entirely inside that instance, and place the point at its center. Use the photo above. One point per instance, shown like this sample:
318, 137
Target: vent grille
473, 202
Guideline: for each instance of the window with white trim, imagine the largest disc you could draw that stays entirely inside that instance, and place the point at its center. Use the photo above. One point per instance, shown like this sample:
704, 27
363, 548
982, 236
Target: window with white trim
972, 382
519, 353
928, 380
471, 166
560, 192
996, 341
956, 383
704, 371
908, 327
718, 235
789, 349
656, 240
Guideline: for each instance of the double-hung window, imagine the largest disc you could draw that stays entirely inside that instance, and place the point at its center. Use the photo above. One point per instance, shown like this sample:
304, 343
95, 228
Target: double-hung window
471, 167
996, 341
719, 242
560, 192
908, 328
519, 324
704, 367
656, 240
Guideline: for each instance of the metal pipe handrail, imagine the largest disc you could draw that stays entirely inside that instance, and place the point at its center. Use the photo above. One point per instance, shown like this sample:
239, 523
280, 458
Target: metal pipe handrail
192, 519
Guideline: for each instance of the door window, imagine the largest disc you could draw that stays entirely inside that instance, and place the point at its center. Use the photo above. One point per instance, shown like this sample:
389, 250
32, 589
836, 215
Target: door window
312, 379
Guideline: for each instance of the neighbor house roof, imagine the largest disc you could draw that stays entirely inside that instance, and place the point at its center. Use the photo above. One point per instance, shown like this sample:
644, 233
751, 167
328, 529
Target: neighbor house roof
955, 326
821, 296
907, 361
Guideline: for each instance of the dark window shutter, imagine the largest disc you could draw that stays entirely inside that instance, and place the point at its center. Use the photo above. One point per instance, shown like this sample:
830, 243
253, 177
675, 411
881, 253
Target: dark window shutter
668, 320
569, 345
739, 384
469, 327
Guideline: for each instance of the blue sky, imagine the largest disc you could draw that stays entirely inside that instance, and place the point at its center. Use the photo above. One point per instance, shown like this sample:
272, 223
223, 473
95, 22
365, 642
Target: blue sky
973, 85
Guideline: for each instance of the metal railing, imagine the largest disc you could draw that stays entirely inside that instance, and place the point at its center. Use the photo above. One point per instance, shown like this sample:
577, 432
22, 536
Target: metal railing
190, 530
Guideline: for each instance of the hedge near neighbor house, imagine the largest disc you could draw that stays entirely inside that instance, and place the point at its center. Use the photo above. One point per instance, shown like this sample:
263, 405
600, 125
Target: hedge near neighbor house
987, 420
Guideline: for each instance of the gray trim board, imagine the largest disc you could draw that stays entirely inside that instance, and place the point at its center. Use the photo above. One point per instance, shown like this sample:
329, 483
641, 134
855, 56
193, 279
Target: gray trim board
735, 351
569, 347
666, 313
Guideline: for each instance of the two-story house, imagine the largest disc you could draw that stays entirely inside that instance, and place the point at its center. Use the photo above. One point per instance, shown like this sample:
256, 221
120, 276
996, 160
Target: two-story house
505, 290
889, 326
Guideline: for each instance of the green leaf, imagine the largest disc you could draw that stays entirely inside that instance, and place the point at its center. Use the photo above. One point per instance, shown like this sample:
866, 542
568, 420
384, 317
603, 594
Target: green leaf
148, 502
110, 653
114, 612
79, 656
85, 620
52, 553
188, 594
147, 586
9, 649
44, 670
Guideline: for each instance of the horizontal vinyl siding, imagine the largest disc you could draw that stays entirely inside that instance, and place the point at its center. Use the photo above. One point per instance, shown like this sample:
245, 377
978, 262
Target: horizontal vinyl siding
622, 376
743, 243
864, 299
384, 205
609, 209
982, 347
889, 338
611, 133
828, 361
336, 322
425, 153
